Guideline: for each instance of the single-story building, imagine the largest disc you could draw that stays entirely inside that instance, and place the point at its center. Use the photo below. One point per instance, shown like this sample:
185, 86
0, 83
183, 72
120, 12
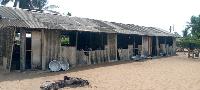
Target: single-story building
87, 41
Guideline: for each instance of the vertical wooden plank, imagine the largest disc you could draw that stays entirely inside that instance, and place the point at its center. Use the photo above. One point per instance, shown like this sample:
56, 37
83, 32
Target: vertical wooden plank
36, 50
76, 39
115, 46
51, 45
108, 46
55, 45
174, 45
165, 45
145, 45
149, 45
59, 45
1, 46
22, 49
11, 49
48, 47
43, 49
157, 46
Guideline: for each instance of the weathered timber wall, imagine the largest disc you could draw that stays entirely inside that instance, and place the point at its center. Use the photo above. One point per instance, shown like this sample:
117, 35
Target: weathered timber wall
53, 45
162, 48
91, 57
174, 46
82, 57
69, 54
112, 45
123, 54
6, 46
144, 45
126, 54
130, 48
36, 50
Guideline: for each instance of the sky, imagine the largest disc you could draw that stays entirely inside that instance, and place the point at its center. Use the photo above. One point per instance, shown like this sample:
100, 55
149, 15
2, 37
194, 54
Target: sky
150, 13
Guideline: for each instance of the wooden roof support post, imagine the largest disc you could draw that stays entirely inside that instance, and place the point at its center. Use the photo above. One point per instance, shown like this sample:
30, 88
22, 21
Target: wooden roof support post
22, 49
157, 46
108, 43
43, 49
165, 45
76, 39
12, 45
144, 45
174, 45
116, 47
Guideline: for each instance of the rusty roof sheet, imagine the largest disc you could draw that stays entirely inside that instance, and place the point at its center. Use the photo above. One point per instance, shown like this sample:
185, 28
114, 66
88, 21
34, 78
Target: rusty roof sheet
17, 17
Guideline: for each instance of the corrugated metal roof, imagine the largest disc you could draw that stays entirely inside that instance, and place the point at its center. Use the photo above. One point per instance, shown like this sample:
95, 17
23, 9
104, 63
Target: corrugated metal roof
18, 17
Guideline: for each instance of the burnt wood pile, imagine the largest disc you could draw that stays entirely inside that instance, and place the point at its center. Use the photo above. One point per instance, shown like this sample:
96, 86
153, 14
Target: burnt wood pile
67, 82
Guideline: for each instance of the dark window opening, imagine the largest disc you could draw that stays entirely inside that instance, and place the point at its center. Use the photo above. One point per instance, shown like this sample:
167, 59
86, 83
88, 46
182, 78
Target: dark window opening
124, 40
68, 39
91, 41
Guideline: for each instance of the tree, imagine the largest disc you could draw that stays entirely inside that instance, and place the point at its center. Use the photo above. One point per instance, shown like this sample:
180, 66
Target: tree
27, 4
69, 14
194, 24
185, 32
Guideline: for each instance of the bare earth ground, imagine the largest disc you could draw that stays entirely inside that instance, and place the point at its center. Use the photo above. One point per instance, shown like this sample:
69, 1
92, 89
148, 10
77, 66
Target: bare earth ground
176, 72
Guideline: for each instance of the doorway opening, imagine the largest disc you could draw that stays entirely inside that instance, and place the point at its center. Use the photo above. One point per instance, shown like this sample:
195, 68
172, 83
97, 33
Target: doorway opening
28, 50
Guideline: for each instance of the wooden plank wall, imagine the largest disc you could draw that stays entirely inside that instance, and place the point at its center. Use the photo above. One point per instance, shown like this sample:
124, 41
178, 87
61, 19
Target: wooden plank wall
7, 36
69, 54
112, 43
91, 57
22, 49
123, 54
174, 46
130, 48
144, 45
36, 50
53, 45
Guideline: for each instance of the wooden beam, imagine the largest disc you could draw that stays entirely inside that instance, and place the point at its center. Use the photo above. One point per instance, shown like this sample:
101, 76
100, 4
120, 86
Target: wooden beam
22, 49
165, 45
157, 46
144, 45
12, 45
174, 46
108, 44
43, 49
116, 47
76, 39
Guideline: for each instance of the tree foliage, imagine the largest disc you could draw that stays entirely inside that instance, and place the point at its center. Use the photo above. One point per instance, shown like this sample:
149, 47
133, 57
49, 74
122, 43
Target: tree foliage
194, 24
27, 4
194, 27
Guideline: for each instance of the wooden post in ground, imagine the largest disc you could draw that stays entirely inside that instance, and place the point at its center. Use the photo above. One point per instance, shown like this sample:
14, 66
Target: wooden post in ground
43, 50
144, 45
108, 44
157, 46
76, 39
22, 49
116, 47
174, 46
192, 54
188, 53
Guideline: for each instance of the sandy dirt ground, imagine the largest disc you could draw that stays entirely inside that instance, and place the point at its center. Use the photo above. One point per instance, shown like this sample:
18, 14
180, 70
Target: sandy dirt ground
166, 73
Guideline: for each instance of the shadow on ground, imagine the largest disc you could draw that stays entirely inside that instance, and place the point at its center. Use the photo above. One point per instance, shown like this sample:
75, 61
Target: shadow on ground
15, 75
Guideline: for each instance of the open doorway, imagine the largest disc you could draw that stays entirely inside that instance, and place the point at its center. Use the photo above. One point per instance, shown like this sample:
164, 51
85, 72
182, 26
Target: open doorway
15, 64
28, 50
